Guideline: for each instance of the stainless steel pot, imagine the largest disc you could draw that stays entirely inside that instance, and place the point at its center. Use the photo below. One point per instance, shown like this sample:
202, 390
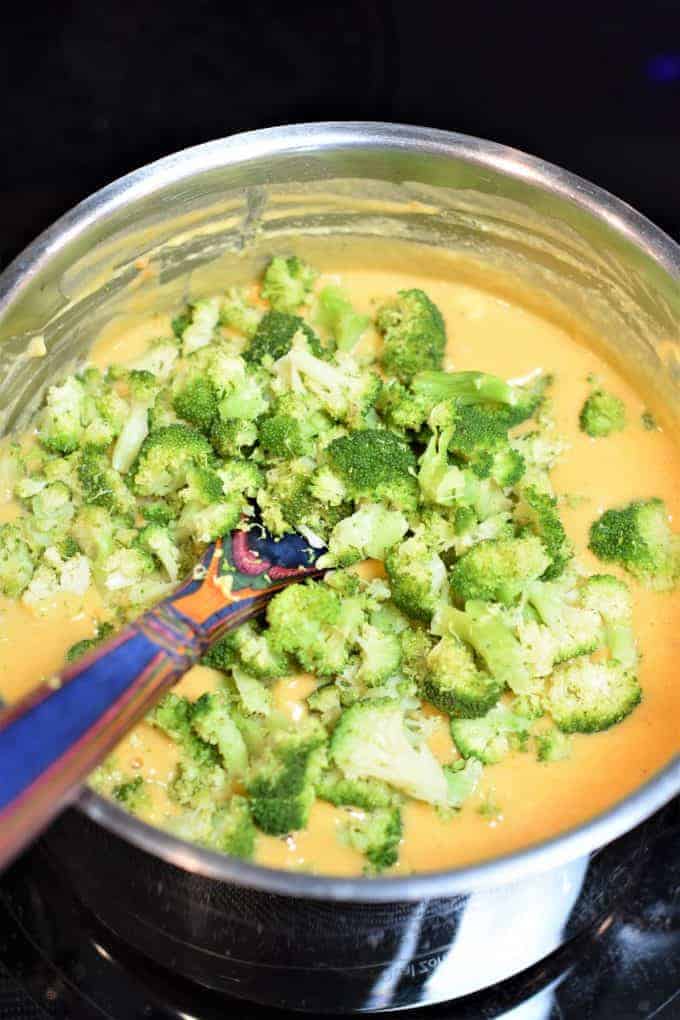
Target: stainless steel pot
211, 214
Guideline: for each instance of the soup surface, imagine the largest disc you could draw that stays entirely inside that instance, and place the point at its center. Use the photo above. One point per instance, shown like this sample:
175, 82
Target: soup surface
519, 800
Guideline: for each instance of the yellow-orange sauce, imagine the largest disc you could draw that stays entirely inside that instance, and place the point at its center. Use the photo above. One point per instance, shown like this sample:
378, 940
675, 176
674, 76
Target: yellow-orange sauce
519, 801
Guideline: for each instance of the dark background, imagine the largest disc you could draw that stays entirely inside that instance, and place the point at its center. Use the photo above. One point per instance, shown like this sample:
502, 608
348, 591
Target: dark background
91, 90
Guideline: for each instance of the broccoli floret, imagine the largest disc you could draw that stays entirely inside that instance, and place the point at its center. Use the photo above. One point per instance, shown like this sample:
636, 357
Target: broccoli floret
293, 428
311, 622
585, 696
101, 485
380, 655
488, 739
553, 745
274, 335
237, 313
638, 537
196, 780
453, 682
325, 701
230, 438
413, 332
166, 456
610, 597
16, 561
335, 314
80, 648
199, 330
462, 782
158, 541
288, 503
574, 626
126, 568
55, 575
255, 697
210, 718
232, 829
416, 645
483, 626
199, 771
510, 404
499, 570
251, 648
287, 283
371, 741
376, 835
417, 577
172, 715
345, 390
369, 532
538, 512
375, 464
159, 358
197, 402
602, 414
133, 794
282, 788
61, 426
402, 409
366, 794
94, 531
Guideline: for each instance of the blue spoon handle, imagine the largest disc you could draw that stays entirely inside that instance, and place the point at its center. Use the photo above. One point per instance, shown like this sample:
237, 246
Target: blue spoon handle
52, 739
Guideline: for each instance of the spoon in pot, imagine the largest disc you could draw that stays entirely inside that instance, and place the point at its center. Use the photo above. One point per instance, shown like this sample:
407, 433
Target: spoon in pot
55, 736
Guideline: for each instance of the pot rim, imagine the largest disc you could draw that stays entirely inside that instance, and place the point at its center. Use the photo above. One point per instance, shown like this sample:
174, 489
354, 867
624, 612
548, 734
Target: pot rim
295, 140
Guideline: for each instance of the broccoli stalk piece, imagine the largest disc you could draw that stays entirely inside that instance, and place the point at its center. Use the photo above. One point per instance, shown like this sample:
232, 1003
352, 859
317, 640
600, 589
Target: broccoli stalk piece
441, 482
453, 682
369, 532
510, 403
585, 696
335, 314
371, 741
287, 283
499, 570
143, 388
489, 738
602, 414
639, 539
16, 562
417, 577
413, 332
376, 835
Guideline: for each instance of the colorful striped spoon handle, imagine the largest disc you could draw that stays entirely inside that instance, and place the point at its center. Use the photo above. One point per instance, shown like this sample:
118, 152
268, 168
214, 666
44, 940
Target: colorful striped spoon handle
52, 739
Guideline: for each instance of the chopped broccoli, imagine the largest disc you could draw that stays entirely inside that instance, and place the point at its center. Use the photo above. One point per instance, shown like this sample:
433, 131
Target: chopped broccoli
371, 741
231, 437
462, 782
310, 621
553, 745
400, 408
325, 701
538, 512
61, 428
199, 330
198, 403
375, 464
489, 738
287, 283
237, 313
274, 337
252, 649
602, 414
417, 577
413, 332
335, 314
610, 597
342, 388
510, 404
574, 626
585, 696
133, 794
440, 481
377, 835
55, 575
499, 570
101, 484
255, 698
166, 456
282, 788
16, 561
126, 568
143, 389
365, 794
212, 722
233, 831
94, 530
157, 540
293, 428
454, 683
483, 626
80, 648
639, 539
380, 655
369, 532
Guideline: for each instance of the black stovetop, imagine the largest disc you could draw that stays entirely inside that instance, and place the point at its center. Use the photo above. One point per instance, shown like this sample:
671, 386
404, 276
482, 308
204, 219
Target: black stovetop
57, 961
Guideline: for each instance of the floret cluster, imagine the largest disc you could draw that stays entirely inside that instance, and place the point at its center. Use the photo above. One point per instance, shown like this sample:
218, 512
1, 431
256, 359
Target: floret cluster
285, 406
